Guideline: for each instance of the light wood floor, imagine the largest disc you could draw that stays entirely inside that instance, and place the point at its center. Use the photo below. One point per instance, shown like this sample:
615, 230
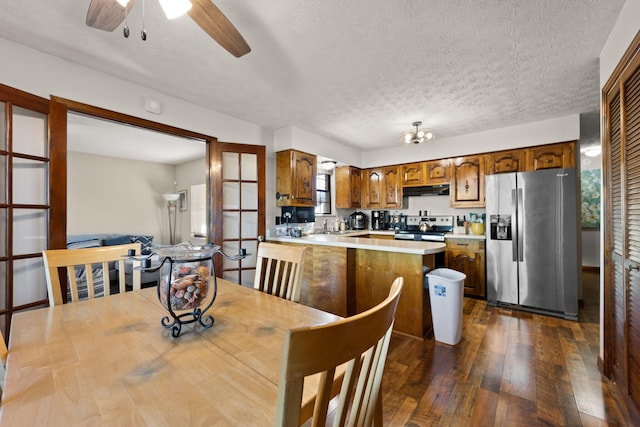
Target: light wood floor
511, 369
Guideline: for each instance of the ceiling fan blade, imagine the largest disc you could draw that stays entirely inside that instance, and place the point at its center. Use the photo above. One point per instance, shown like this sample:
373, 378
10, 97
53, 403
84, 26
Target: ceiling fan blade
106, 14
214, 23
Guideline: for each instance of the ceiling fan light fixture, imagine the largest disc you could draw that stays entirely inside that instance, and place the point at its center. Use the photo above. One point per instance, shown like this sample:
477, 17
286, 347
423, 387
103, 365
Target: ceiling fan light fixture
418, 135
174, 8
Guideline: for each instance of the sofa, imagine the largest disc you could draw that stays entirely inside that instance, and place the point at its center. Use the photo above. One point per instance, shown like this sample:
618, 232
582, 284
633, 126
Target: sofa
79, 241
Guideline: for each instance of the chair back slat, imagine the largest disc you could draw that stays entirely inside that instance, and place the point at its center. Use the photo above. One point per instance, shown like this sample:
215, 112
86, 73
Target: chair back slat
361, 342
70, 259
279, 270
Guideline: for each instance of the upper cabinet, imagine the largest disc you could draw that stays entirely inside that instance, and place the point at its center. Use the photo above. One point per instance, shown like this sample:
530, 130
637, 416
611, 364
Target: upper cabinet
372, 188
435, 172
414, 174
381, 188
551, 156
467, 182
438, 172
505, 161
348, 187
392, 197
295, 178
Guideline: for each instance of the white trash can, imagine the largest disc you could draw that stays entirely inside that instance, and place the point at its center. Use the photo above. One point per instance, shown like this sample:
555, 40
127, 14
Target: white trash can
446, 292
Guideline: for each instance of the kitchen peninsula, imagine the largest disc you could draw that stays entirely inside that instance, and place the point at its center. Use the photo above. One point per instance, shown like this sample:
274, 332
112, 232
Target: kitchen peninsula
348, 273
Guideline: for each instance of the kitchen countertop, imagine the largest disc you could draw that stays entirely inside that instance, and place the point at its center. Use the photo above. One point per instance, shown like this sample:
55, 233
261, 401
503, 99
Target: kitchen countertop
351, 239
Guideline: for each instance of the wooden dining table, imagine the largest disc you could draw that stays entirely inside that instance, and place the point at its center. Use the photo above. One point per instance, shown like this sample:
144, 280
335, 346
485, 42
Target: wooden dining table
108, 361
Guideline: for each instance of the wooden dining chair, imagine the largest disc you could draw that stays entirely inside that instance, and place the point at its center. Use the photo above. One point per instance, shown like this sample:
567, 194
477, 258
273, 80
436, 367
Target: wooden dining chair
279, 270
360, 341
94, 261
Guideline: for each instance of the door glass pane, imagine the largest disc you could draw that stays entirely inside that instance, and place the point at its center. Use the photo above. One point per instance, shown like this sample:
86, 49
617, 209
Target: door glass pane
230, 225
3, 127
231, 249
29, 231
3, 285
230, 195
230, 166
231, 276
248, 277
3, 179
249, 165
3, 232
29, 182
29, 132
249, 196
249, 225
29, 283
252, 252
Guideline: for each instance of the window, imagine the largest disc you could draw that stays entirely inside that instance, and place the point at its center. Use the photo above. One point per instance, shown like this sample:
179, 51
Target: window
323, 194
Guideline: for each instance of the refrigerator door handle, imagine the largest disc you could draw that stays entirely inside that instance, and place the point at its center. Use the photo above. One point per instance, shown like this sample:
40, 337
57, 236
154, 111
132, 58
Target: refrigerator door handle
514, 241
520, 225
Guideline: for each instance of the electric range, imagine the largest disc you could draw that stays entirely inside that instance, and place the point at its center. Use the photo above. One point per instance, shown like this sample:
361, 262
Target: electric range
425, 228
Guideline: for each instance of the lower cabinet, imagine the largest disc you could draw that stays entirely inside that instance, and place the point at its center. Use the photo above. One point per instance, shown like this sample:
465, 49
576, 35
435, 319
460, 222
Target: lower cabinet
468, 256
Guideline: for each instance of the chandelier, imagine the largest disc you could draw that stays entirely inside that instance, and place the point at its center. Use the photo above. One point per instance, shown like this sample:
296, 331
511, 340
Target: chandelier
418, 135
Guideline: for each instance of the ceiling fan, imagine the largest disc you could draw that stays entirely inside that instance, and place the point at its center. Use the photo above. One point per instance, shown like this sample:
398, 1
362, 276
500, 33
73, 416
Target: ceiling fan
107, 15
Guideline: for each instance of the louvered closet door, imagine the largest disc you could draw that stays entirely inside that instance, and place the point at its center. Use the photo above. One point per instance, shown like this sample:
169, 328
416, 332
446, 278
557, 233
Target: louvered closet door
615, 231
631, 126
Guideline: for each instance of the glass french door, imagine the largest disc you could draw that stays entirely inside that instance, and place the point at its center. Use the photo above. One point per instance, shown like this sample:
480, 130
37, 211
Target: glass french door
238, 206
24, 201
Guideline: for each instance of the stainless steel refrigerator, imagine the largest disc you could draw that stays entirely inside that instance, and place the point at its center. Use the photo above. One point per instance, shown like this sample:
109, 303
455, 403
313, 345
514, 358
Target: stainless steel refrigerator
532, 241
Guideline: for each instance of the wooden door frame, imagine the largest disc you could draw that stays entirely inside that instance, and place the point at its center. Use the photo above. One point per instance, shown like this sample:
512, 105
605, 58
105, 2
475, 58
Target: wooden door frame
58, 174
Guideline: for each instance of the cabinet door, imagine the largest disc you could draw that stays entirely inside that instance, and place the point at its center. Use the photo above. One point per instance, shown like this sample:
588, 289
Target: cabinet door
438, 172
304, 179
551, 156
472, 265
372, 186
392, 196
356, 188
414, 174
505, 161
467, 183
348, 187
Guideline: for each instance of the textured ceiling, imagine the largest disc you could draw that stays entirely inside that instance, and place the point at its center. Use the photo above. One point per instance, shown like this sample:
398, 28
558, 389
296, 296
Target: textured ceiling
359, 71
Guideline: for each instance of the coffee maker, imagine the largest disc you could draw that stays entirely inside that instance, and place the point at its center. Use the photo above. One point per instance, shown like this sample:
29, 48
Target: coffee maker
379, 220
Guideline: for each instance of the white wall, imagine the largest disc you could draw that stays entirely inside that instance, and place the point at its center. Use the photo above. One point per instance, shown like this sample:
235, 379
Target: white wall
188, 174
619, 40
113, 195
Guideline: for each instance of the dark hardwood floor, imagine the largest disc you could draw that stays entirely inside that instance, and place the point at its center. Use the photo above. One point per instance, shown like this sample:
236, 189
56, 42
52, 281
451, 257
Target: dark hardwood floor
512, 368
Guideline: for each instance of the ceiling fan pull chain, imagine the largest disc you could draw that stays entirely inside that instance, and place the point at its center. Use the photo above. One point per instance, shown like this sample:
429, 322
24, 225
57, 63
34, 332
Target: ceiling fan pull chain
125, 30
143, 32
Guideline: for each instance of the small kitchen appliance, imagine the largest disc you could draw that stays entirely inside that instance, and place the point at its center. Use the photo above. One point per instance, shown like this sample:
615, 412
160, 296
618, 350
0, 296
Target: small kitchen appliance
358, 221
379, 220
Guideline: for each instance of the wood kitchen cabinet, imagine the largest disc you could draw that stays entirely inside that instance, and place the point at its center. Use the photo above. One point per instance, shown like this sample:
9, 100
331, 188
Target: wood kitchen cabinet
438, 172
381, 188
551, 156
348, 187
392, 191
468, 256
295, 178
467, 182
505, 162
414, 174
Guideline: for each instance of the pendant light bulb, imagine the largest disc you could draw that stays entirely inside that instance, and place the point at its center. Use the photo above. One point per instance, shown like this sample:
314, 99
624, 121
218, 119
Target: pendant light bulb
123, 3
175, 8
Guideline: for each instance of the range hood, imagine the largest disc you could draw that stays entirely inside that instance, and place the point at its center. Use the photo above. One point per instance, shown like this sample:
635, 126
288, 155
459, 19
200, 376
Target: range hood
426, 190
